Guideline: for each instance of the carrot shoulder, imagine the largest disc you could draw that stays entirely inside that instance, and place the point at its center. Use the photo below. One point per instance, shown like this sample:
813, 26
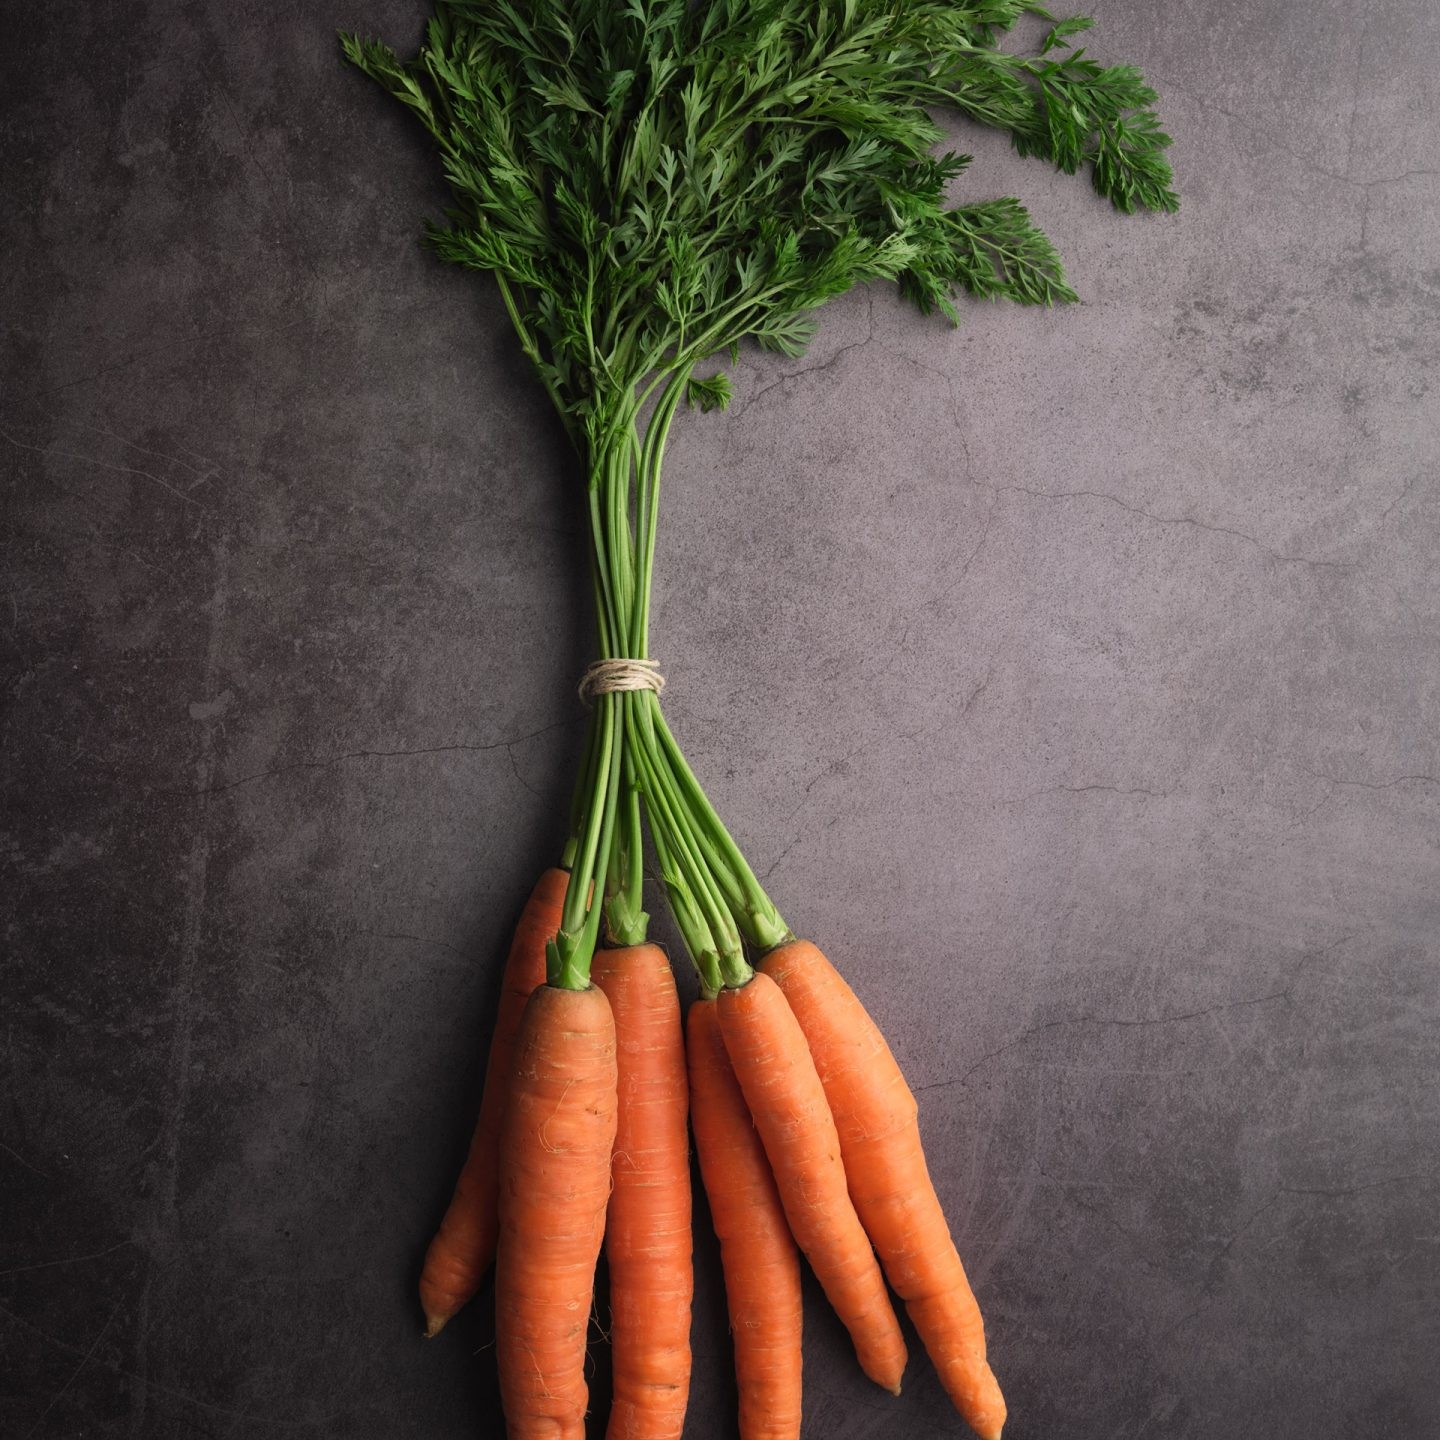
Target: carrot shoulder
775, 1071
555, 1143
762, 1268
464, 1246
647, 1227
877, 1121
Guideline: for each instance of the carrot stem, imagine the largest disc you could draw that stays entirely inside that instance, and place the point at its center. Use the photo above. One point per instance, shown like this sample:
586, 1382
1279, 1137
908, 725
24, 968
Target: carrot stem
692, 874
648, 500
584, 783
693, 929
755, 912
626, 922
569, 954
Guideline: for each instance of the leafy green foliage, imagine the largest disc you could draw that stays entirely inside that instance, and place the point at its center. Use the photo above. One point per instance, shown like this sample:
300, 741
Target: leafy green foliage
653, 182
711, 393
997, 253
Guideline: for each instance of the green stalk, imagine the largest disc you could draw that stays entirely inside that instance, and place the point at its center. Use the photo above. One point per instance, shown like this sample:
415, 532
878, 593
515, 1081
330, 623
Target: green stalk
648, 507
532, 353
663, 802
692, 857
568, 956
575, 973
704, 954
757, 916
712, 889
621, 547
705, 873
604, 581
626, 922
721, 872
625, 917
584, 784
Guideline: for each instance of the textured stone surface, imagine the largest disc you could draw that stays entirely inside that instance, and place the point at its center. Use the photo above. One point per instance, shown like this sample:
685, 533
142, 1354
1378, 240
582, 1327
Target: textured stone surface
1072, 677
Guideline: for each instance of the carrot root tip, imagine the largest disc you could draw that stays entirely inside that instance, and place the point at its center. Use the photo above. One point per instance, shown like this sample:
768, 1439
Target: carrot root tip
434, 1324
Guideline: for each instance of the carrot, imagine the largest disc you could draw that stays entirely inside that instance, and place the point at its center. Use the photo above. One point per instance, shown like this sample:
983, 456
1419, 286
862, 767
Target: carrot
774, 1068
762, 1269
555, 1144
877, 1121
464, 1246
541, 186
647, 1227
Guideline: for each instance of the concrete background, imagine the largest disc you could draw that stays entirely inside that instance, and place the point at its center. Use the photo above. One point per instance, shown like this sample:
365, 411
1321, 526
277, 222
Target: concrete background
1073, 678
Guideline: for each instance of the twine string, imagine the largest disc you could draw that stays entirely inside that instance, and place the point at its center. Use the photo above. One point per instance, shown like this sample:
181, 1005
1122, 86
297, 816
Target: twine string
605, 677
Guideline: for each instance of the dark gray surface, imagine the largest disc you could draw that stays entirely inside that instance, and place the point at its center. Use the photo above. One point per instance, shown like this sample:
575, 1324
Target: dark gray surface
1073, 678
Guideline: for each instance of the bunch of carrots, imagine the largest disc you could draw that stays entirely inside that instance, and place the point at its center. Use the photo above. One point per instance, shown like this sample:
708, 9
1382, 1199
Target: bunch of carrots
652, 184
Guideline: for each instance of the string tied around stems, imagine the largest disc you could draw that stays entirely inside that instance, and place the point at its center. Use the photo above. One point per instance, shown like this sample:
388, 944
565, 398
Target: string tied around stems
605, 677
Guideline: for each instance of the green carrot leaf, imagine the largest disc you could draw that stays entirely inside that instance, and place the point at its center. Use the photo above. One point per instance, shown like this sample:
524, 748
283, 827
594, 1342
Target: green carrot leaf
711, 393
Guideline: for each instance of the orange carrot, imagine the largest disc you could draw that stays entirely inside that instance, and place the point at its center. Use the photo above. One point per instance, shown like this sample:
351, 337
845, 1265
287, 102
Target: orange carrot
464, 1245
876, 1118
774, 1068
762, 1269
555, 1144
647, 1227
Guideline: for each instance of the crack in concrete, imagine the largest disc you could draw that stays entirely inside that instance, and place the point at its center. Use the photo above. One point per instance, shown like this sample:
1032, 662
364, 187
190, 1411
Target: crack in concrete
1141, 1022
775, 864
1358, 1189
1253, 127
515, 767
66, 1259
85, 1360
1211, 1286
20, 1160
381, 755
836, 765
170, 1137
49, 451
147, 1384
824, 365
955, 419
1087, 789
976, 693
958, 578
1416, 779
1169, 520
1400, 499
1101, 495
1096, 1020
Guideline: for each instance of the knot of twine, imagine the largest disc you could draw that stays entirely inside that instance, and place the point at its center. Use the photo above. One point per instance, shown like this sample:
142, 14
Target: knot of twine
605, 677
